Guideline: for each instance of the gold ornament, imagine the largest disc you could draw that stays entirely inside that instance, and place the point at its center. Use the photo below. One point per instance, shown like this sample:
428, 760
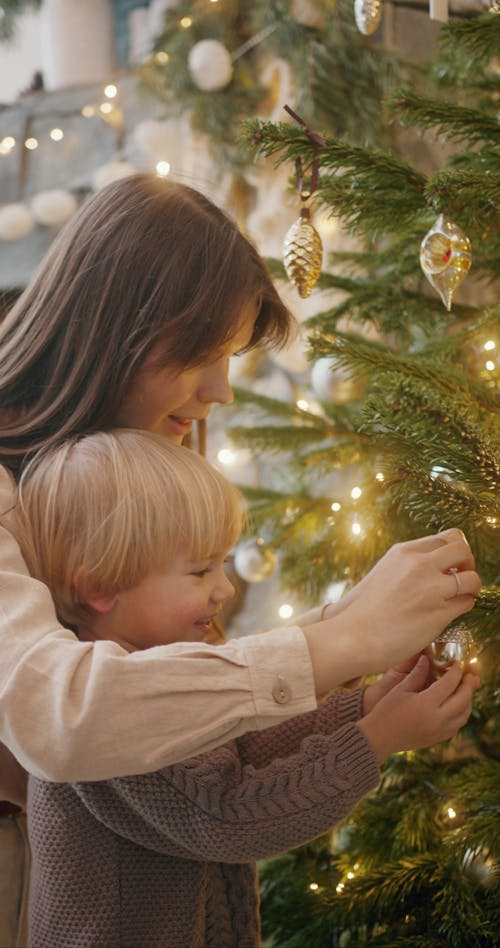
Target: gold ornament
445, 257
303, 253
367, 14
453, 645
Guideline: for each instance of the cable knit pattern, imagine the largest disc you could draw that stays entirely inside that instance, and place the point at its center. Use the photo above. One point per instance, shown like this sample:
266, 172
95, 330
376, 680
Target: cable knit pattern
167, 860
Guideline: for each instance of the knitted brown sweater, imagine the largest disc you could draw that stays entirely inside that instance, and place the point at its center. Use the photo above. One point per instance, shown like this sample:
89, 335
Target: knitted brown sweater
167, 860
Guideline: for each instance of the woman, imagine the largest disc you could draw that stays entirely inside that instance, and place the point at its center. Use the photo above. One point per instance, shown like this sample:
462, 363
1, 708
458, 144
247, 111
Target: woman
131, 321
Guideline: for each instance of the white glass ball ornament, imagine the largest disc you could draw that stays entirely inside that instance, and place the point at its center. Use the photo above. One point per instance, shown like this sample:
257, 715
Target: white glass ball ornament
332, 382
110, 172
54, 207
16, 221
210, 65
254, 560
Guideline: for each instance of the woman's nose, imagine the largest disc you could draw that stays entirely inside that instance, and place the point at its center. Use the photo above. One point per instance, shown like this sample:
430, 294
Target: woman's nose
214, 386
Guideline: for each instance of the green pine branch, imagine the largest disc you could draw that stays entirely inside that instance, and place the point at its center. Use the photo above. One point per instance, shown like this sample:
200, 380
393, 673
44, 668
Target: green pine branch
455, 122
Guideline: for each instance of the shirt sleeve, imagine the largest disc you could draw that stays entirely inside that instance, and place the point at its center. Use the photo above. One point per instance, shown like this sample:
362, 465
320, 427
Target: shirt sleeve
216, 808
73, 710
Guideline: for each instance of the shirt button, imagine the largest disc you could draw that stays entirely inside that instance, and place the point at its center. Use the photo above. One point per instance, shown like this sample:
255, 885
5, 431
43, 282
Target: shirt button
281, 690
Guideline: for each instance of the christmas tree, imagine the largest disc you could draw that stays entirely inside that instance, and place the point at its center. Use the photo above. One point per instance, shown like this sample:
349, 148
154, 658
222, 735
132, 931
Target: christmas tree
400, 438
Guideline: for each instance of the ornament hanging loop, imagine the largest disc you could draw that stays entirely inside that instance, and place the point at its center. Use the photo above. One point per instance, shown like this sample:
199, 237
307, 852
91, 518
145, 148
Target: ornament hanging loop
318, 143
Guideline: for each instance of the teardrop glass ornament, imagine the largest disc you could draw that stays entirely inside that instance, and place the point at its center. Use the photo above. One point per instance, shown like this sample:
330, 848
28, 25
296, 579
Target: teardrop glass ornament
445, 257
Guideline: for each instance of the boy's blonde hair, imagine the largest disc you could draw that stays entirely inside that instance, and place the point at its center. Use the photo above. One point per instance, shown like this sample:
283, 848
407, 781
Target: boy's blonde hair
112, 507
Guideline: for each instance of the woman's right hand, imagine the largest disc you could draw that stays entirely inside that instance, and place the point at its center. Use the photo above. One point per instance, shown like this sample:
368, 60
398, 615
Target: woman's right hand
401, 605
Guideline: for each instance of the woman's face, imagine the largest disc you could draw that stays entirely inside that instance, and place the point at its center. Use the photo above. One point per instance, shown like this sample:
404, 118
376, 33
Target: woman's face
168, 403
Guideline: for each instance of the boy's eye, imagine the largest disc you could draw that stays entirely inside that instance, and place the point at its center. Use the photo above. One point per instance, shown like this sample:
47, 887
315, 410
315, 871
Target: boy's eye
201, 572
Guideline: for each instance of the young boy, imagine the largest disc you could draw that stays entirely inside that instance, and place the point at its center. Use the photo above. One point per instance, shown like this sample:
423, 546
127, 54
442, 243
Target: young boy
130, 533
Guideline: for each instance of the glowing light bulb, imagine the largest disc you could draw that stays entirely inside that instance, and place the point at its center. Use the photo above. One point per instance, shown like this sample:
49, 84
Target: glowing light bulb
490, 365
340, 887
356, 528
490, 344
226, 456
110, 91
88, 111
302, 404
161, 57
56, 134
350, 875
285, 611
7, 144
314, 886
186, 22
379, 476
105, 108
356, 492
163, 168
451, 813
336, 506
31, 144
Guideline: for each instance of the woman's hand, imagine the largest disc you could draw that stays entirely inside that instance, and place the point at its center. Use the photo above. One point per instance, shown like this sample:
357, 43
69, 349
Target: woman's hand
402, 604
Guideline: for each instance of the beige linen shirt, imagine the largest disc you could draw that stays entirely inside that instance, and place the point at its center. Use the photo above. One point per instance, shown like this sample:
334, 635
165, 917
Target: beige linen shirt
75, 711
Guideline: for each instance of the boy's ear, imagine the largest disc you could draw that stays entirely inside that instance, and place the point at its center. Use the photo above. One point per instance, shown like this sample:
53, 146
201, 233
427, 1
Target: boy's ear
96, 600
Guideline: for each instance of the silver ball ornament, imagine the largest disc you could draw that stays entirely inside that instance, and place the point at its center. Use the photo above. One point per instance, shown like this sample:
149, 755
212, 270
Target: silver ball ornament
254, 561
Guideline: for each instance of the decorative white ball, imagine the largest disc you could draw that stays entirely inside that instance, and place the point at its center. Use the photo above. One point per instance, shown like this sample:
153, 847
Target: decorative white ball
254, 561
210, 65
111, 171
16, 221
53, 208
154, 138
333, 382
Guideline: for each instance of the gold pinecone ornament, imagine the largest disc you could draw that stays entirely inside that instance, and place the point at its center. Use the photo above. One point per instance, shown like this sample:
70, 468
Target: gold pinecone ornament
303, 253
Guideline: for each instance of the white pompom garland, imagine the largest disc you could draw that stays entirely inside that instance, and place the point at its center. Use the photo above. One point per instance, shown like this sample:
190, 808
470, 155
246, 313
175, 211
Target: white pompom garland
16, 221
53, 207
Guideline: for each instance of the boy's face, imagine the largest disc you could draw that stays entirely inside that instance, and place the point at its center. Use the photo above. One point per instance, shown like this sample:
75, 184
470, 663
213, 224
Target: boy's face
177, 605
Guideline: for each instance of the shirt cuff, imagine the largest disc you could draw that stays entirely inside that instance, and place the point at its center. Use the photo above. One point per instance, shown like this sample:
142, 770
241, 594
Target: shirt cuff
281, 674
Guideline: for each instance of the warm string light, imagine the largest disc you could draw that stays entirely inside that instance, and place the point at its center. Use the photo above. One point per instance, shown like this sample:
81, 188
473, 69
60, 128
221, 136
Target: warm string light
285, 611
162, 170
226, 456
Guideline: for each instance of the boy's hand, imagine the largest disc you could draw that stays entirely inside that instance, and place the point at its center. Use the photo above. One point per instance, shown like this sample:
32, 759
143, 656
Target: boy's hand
413, 714
374, 692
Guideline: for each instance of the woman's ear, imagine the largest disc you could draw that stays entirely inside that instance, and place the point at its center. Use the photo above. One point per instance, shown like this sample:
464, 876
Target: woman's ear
96, 600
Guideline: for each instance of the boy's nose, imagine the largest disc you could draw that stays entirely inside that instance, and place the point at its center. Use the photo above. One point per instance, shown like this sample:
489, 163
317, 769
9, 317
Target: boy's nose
224, 589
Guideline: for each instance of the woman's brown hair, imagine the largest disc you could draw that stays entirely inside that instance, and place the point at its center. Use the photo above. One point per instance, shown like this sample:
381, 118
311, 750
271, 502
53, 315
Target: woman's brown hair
145, 262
